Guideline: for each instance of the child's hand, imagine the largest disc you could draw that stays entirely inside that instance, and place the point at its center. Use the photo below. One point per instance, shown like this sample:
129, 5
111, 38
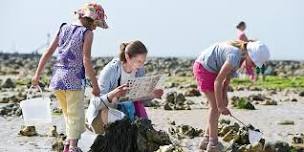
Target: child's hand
96, 91
224, 110
157, 93
118, 92
35, 81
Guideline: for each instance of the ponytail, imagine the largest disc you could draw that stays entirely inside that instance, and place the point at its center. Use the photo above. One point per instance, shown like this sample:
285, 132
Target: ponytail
132, 48
122, 52
242, 45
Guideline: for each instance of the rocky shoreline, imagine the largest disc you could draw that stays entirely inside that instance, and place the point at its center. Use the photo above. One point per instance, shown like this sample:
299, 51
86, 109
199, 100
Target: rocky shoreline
277, 111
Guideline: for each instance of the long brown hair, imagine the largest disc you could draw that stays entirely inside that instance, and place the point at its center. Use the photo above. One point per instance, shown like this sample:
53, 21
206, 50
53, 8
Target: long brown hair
132, 48
87, 22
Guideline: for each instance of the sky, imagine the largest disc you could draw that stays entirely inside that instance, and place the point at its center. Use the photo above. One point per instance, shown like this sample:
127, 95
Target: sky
181, 28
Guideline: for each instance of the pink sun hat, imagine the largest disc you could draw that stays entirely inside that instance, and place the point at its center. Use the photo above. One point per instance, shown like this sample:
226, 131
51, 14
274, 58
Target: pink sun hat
94, 11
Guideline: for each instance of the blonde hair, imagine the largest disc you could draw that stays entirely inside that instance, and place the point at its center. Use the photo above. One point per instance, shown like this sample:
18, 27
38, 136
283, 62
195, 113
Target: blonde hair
132, 48
242, 45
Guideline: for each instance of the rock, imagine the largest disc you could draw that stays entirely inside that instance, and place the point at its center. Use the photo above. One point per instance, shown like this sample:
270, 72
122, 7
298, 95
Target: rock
229, 136
18, 112
224, 121
11, 109
185, 131
137, 136
294, 100
258, 97
8, 83
242, 137
240, 88
286, 122
227, 127
258, 147
4, 99
238, 136
172, 85
301, 94
53, 131
57, 110
168, 106
230, 89
273, 92
278, 146
12, 97
58, 145
28, 131
176, 101
152, 103
242, 103
298, 139
194, 86
192, 92
180, 99
255, 89
170, 97
270, 102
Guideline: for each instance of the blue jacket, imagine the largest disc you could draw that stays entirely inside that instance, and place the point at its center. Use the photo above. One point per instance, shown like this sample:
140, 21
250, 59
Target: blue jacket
107, 81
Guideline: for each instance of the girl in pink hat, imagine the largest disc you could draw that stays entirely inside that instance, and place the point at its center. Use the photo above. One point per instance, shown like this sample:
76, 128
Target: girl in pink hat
73, 44
213, 70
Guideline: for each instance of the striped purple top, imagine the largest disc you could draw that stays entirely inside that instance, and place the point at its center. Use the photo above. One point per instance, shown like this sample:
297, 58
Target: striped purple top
68, 71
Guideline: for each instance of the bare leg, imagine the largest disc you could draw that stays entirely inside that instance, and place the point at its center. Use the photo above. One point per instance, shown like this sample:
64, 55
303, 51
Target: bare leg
213, 117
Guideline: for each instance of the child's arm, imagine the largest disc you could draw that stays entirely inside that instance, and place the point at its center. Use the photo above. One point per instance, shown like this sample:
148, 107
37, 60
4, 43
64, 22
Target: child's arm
43, 60
87, 45
219, 86
225, 90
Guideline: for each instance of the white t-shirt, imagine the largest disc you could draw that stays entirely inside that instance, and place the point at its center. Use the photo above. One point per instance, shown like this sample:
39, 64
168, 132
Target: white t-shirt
126, 76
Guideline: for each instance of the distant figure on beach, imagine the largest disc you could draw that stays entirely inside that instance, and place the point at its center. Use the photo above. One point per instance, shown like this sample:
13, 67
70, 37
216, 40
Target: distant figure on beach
213, 70
241, 27
73, 43
114, 76
252, 72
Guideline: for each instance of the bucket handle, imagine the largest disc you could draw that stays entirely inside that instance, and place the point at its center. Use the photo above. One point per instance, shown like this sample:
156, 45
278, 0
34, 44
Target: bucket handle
28, 94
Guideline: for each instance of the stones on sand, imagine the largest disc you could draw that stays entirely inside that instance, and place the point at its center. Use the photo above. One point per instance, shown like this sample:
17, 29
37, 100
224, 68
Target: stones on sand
286, 122
58, 144
8, 83
11, 109
242, 103
28, 131
184, 131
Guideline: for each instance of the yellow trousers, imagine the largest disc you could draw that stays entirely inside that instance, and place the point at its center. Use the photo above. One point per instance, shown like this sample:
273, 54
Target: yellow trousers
72, 104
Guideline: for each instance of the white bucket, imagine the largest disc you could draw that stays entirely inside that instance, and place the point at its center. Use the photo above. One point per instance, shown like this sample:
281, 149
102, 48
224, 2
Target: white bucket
36, 111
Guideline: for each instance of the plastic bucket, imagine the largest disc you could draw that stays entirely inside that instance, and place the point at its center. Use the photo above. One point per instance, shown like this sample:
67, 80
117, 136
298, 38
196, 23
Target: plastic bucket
36, 111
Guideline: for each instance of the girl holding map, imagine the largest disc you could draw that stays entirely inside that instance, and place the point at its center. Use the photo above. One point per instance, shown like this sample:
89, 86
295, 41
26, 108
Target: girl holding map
115, 75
